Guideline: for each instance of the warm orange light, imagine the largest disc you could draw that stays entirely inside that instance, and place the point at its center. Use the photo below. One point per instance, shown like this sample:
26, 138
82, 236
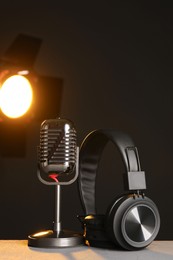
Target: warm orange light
15, 96
43, 233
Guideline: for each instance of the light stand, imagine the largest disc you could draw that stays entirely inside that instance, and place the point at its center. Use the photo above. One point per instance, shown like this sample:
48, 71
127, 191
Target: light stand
57, 237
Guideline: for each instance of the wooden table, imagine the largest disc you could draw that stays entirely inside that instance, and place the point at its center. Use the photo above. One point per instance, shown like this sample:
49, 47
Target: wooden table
18, 249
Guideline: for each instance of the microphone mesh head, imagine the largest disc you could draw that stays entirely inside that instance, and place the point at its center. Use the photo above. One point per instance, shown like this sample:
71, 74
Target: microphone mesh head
58, 144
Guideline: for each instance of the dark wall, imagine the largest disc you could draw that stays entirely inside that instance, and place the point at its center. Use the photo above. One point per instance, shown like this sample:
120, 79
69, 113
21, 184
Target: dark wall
116, 65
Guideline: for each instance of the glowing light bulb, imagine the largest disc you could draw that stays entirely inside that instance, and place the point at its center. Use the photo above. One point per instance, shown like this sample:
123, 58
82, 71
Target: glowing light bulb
15, 96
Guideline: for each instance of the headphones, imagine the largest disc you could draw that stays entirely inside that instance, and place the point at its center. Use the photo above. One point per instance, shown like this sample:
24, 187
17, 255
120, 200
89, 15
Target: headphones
132, 220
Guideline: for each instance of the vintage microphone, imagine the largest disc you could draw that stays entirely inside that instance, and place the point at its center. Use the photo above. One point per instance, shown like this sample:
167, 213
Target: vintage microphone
58, 157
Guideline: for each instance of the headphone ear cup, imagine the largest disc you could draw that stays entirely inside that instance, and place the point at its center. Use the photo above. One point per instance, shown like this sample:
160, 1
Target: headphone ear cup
132, 222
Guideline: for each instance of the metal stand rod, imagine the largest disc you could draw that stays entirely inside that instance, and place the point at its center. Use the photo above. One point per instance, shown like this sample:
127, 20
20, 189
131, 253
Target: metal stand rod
57, 221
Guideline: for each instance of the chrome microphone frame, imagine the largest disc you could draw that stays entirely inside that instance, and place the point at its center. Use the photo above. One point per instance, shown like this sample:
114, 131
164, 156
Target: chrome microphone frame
57, 238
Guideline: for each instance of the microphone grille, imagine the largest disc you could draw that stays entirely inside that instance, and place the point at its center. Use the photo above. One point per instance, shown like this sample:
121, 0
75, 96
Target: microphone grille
58, 145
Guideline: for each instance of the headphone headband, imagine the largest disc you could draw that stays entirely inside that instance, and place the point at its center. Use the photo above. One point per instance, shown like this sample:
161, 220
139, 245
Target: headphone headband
90, 154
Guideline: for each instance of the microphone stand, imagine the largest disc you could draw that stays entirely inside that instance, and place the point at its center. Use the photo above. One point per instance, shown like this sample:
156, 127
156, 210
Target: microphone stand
57, 237
57, 223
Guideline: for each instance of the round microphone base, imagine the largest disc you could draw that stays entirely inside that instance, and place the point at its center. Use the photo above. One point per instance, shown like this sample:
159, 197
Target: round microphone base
52, 239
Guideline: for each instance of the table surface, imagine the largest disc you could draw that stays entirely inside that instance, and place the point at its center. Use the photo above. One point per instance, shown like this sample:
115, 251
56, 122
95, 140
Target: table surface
18, 249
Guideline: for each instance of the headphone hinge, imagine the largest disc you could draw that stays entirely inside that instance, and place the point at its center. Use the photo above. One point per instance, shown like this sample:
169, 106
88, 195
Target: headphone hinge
138, 194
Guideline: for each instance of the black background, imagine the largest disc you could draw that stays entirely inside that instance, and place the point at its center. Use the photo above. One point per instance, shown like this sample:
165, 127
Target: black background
116, 65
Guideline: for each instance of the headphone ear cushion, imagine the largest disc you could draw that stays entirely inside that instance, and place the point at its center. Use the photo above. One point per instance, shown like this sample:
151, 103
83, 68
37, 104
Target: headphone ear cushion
132, 222
94, 232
